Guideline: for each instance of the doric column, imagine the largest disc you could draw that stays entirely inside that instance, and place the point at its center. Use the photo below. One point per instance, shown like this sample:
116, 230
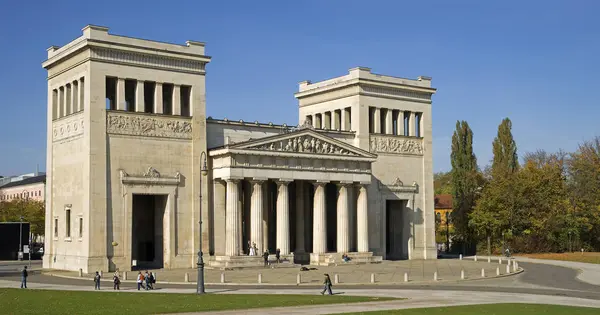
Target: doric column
343, 120
231, 217
81, 94
121, 94
74, 97
299, 217
343, 219
139, 96
389, 122
283, 217
220, 209
400, 124
319, 220
327, 120
176, 100
63, 101
362, 220
158, 98
256, 215
377, 120
411, 125
337, 119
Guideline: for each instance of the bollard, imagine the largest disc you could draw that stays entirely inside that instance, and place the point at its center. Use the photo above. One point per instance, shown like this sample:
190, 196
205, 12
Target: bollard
507, 269
489, 260
80, 272
497, 271
517, 265
514, 267
500, 260
372, 278
260, 278
475, 257
460, 257
482, 273
298, 279
435, 276
406, 277
462, 274
124, 275
222, 277
186, 278
336, 279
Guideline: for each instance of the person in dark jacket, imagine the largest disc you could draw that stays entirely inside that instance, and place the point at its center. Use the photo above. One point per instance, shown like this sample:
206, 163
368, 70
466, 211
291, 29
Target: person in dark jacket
266, 258
278, 255
24, 276
97, 281
327, 285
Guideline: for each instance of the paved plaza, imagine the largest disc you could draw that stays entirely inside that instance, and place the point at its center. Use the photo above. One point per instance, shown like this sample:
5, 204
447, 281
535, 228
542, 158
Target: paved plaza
387, 272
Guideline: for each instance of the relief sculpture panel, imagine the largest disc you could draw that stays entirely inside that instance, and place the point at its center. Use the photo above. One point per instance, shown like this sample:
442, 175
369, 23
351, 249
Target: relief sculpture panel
149, 126
305, 144
396, 145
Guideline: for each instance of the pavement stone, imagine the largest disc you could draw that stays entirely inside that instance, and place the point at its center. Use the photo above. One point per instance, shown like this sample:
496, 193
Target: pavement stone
388, 272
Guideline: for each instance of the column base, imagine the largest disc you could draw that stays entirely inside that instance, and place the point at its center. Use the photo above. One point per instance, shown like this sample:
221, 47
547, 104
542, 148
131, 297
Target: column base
334, 259
247, 262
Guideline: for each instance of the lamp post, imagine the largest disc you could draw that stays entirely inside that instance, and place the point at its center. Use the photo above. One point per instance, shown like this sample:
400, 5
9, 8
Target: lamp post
200, 281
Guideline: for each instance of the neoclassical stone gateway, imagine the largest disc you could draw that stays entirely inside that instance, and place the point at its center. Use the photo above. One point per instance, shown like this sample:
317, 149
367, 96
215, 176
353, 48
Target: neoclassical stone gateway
134, 165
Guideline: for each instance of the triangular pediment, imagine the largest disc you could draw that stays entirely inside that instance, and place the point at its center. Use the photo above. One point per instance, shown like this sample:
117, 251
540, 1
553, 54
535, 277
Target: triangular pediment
303, 141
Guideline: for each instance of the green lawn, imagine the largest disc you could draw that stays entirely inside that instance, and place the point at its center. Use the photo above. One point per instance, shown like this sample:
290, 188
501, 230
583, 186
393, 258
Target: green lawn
18, 301
493, 309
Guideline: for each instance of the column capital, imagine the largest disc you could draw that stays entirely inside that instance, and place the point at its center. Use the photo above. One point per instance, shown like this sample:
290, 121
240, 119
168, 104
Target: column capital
283, 181
232, 179
344, 184
257, 180
320, 183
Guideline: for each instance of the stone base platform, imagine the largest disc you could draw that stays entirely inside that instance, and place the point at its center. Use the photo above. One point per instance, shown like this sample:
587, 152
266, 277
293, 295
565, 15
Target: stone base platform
334, 259
243, 262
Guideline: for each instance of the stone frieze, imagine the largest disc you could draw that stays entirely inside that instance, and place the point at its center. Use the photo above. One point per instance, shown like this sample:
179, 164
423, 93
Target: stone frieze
68, 127
148, 126
396, 145
304, 144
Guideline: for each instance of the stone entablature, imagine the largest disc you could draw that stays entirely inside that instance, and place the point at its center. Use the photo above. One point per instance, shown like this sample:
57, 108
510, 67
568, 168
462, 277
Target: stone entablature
68, 127
148, 125
396, 144
147, 60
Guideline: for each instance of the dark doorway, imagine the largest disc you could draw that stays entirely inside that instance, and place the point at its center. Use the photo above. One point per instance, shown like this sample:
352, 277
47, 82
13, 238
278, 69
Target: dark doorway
397, 230
147, 245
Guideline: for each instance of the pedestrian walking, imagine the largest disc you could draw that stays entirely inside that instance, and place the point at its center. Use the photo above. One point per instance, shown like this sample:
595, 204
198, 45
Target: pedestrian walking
140, 280
24, 276
278, 255
97, 281
266, 257
116, 281
327, 285
148, 282
152, 280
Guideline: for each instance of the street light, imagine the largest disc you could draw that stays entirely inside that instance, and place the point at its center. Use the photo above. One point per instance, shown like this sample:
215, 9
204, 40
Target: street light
200, 281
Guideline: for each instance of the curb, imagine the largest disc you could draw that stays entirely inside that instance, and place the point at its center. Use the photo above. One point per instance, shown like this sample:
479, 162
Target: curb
521, 270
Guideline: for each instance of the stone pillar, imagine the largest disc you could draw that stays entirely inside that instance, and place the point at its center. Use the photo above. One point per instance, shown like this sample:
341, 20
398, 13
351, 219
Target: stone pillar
337, 119
177, 100
299, 217
139, 97
158, 101
343, 120
283, 217
400, 124
231, 216
74, 97
319, 220
362, 220
411, 125
343, 241
121, 105
81, 89
389, 125
327, 120
62, 102
256, 215
377, 120
219, 216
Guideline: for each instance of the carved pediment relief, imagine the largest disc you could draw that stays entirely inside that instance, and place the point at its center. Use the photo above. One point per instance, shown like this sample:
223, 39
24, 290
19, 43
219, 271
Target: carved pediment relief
303, 144
150, 177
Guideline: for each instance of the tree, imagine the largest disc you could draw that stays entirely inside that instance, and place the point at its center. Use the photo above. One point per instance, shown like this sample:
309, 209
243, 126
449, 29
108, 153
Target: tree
442, 183
32, 211
506, 160
465, 180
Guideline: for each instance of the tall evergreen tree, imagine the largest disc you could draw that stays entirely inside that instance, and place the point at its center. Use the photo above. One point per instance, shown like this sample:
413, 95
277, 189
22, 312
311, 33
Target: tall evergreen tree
465, 180
506, 160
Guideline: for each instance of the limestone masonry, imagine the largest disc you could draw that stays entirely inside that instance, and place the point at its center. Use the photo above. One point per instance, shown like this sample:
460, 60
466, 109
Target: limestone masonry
134, 165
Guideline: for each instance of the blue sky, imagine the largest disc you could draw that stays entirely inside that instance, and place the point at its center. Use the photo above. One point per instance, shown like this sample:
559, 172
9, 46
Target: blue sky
532, 61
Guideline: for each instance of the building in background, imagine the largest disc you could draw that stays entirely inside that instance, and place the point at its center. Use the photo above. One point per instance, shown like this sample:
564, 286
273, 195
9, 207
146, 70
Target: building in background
26, 187
9, 179
443, 208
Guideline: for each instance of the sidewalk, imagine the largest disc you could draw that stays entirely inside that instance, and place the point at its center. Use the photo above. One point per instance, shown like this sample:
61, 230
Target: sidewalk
589, 273
414, 299
388, 272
